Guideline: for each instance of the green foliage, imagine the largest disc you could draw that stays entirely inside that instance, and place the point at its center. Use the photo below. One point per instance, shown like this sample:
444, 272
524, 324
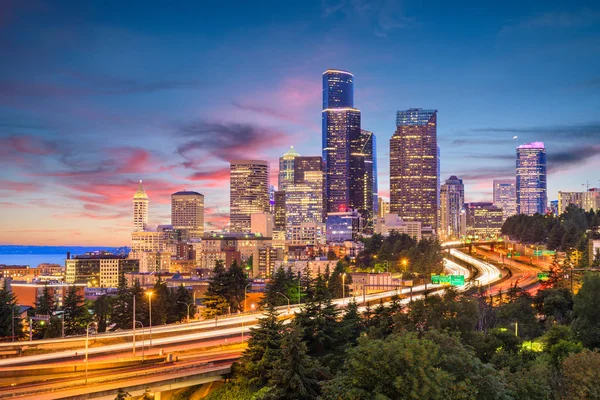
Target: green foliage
76, 315
556, 304
399, 252
295, 375
122, 395
587, 312
406, 366
283, 282
519, 310
102, 309
581, 376
9, 314
264, 347
225, 294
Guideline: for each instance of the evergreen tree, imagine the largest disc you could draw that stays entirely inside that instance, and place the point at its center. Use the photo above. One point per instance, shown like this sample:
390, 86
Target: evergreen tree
102, 308
9, 315
215, 300
235, 284
183, 297
76, 315
587, 312
163, 304
295, 374
264, 347
45, 305
121, 314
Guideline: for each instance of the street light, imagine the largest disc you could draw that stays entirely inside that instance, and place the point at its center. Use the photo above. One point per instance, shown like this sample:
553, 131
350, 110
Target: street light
87, 338
288, 300
150, 293
188, 309
139, 322
343, 288
245, 294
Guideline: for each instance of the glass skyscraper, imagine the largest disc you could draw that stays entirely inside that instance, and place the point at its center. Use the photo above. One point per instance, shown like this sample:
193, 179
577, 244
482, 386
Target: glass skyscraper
452, 199
248, 192
414, 167
532, 197
505, 196
343, 157
286, 168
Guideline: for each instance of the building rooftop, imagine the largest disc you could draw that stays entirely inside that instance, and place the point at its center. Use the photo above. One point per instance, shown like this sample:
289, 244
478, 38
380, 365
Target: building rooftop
187, 193
140, 193
532, 145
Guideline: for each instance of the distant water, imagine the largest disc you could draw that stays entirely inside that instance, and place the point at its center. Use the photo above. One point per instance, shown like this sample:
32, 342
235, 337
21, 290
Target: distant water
36, 255
33, 260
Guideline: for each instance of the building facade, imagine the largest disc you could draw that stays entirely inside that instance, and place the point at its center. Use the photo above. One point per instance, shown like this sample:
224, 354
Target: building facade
343, 226
531, 179
391, 222
286, 168
483, 220
248, 192
452, 199
102, 270
414, 167
505, 196
342, 156
140, 209
369, 179
587, 201
187, 214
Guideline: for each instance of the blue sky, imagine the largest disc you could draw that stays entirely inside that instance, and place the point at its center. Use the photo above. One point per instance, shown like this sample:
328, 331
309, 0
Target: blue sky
96, 95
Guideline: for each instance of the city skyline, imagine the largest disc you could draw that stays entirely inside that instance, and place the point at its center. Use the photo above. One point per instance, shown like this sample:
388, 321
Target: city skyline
77, 132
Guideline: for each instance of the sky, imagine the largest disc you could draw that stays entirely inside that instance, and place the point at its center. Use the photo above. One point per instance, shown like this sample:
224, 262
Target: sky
96, 95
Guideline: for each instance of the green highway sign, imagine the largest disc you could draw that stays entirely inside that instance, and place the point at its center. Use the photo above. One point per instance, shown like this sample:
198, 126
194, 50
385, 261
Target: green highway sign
543, 276
454, 280
549, 252
517, 254
538, 252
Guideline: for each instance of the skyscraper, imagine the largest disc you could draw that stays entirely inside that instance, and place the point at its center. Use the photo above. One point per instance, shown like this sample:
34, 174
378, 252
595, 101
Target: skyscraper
414, 167
248, 192
342, 155
375, 181
531, 179
369, 179
286, 168
505, 196
452, 199
187, 214
140, 209
304, 198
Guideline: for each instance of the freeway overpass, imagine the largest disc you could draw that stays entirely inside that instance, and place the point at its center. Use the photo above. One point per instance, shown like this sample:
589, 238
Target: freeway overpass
457, 244
182, 338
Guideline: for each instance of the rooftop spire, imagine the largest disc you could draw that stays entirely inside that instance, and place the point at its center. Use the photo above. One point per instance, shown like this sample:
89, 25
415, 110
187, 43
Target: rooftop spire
140, 193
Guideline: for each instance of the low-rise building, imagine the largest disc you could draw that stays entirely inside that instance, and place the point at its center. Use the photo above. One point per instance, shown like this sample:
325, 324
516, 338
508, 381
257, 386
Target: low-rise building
98, 270
392, 222
27, 293
483, 220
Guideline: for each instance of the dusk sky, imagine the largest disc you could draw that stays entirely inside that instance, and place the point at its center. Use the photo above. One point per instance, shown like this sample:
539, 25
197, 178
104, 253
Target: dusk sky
96, 95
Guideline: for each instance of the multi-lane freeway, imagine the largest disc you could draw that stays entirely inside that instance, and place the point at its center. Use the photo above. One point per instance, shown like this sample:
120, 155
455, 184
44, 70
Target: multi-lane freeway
183, 338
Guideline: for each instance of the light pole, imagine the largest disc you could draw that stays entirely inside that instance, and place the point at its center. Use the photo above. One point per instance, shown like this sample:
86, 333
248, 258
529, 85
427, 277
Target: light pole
139, 322
288, 300
133, 323
343, 288
245, 294
150, 293
87, 339
188, 309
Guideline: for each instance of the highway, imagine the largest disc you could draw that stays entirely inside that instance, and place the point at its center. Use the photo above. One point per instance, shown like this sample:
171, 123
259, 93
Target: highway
184, 339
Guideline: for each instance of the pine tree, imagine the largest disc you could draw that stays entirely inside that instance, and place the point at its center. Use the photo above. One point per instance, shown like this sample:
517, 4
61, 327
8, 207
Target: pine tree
182, 298
45, 305
9, 315
102, 310
215, 302
122, 315
76, 315
295, 374
264, 347
162, 304
235, 283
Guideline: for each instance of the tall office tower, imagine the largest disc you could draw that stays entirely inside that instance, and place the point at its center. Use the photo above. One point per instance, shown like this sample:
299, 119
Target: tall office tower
375, 181
531, 179
367, 150
452, 199
187, 214
279, 211
383, 207
286, 168
344, 162
414, 167
505, 196
304, 198
248, 192
140, 209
